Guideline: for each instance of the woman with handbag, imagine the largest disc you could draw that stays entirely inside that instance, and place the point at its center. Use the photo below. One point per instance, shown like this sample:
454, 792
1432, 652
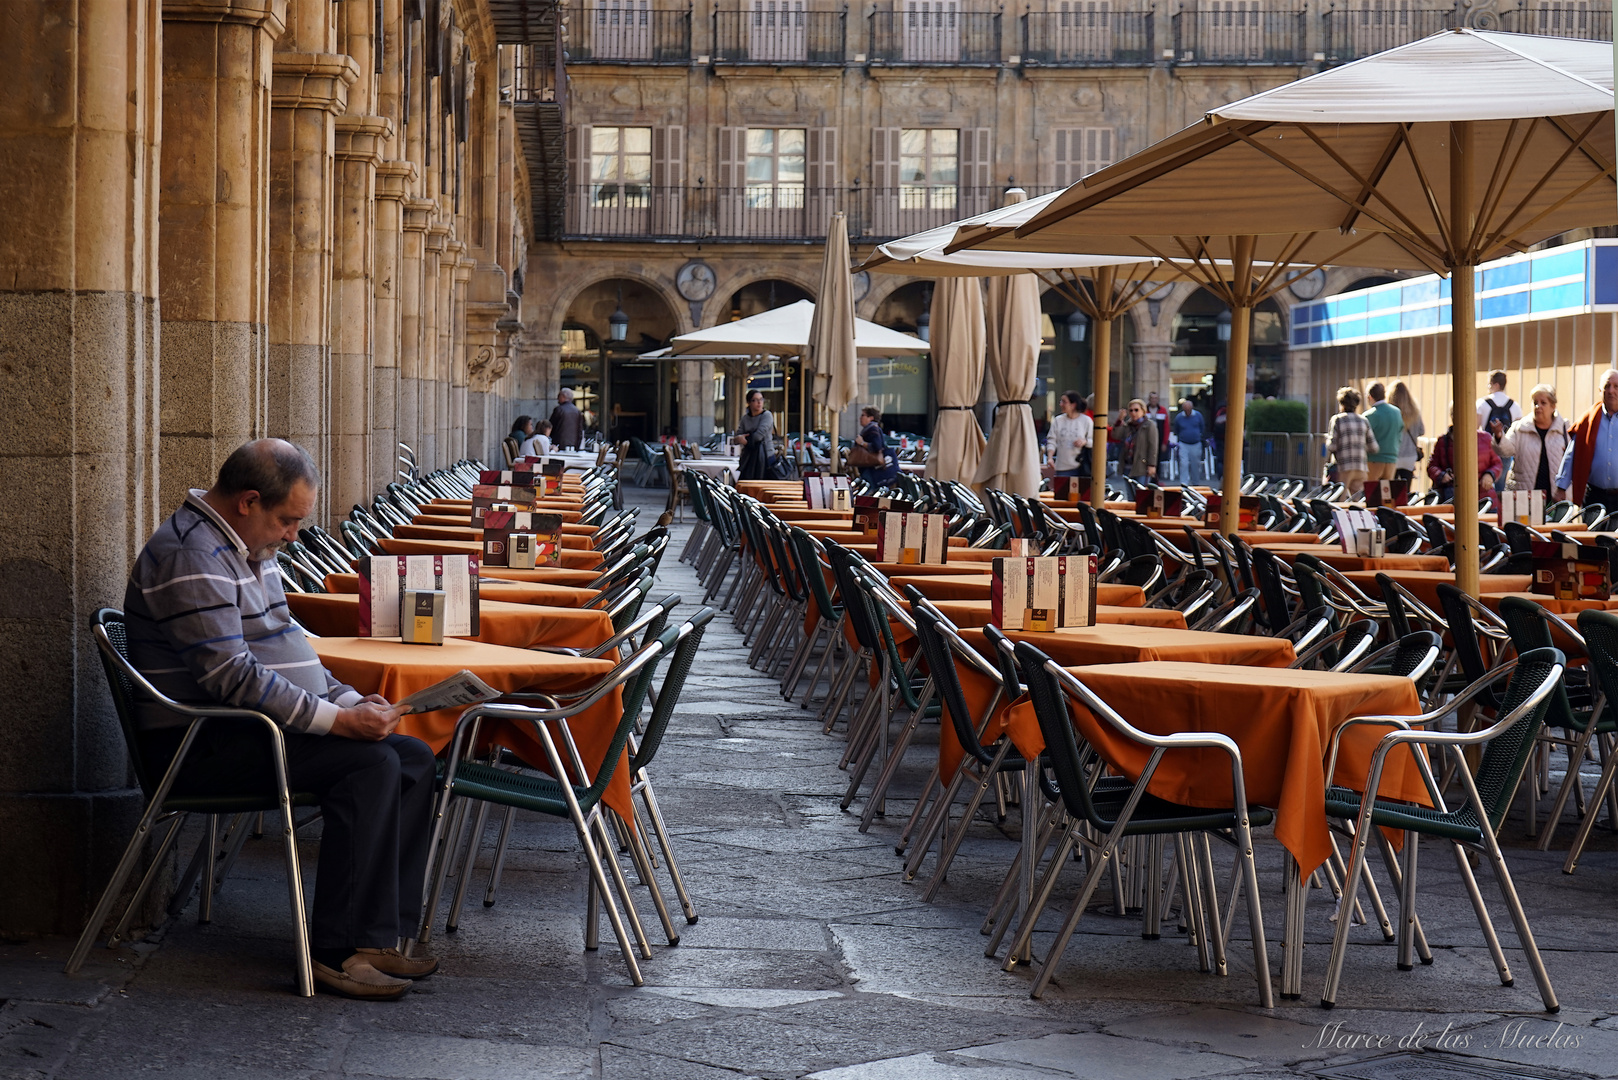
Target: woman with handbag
757, 436
870, 454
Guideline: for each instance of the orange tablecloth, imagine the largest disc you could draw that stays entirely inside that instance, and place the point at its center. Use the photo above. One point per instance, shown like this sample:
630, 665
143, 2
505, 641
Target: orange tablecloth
571, 559
511, 592
520, 626
1442, 510
977, 613
1127, 644
1425, 583
549, 575
803, 516
891, 570
467, 533
569, 517
1281, 720
976, 587
396, 670
1333, 556
956, 554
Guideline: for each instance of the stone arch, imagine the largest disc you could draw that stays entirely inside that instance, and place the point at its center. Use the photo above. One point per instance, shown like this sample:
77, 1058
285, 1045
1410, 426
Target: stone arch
735, 281
882, 287
551, 327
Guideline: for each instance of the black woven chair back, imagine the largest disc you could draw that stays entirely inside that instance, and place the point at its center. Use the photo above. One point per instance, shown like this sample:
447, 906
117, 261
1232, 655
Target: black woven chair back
1464, 640
946, 678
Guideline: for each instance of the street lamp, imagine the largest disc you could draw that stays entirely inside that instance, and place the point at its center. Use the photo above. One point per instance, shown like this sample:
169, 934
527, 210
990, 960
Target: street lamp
1076, 326
1223, 325
924, 325
618, 322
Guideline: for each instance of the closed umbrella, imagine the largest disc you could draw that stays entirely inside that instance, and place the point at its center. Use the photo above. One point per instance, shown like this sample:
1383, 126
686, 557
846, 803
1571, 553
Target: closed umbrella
1437, 155
958, 344
830, 356
1011, 461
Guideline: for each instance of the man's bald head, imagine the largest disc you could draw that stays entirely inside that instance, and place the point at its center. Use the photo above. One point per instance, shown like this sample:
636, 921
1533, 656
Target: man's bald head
271, 467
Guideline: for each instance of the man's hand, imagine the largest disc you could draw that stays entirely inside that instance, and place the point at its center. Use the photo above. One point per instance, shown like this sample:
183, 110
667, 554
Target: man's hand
1561, 494
372, 720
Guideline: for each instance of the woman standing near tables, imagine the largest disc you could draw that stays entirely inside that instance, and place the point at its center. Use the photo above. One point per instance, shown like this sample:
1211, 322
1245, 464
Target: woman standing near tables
1401, 398
1441, 467
1535, 445
871, 438
1136, 437
1068, 440
1350, 440
756, 434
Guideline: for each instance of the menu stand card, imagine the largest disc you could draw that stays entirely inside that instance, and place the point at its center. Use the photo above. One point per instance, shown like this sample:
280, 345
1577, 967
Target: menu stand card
868, 511
1157, 502
1349, 525
912, 538
547, 472
1250, 505
1043, 593
384, 579
1523, 507
486, 496
1068, 489
508, 477
1387, 493
820, 491
1571, 571
500, 525
422, 621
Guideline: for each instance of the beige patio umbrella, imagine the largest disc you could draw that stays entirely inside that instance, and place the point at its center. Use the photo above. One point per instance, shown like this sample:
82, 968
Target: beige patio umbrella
958, 342
830, 356
1011, 314
1436, 156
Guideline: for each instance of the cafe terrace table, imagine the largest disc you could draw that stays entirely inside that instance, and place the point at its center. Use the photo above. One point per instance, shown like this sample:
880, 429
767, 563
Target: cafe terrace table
395, 670
511, 592
976, 566
967, 613
570, 521
977, 587
715, 467
521, 626
471, 534
549, 575
1282, 720
572, 559
956, 554
1332, 555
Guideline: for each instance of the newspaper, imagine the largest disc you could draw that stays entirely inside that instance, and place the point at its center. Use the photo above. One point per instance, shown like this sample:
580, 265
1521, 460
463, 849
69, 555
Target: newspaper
461, 688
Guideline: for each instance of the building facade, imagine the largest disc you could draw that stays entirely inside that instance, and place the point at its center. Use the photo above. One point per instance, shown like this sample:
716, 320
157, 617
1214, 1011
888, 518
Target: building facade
708, 143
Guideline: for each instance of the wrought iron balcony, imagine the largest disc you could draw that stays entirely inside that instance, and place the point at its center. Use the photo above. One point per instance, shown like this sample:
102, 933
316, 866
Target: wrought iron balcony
1087, 33
1371, 26
628, 32
1240, 32
934, 32
780, 32
1560, 18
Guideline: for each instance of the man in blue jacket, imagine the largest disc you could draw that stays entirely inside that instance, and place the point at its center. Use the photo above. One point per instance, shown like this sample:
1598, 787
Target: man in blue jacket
1191, 432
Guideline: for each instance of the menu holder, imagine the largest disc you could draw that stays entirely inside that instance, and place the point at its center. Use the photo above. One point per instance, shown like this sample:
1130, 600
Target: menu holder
486, 497
868, 511
820, 491
1571, 571
1387, 493
499, 526
1349, 525
1247, 519
1043, 593
547, 472
507, 477
1068, 489
384, 579
1159, 502
1523, 507
422, 618
913, 538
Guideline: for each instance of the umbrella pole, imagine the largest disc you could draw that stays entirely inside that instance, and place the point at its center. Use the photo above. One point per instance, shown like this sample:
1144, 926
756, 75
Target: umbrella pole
1101, 379
1241, 325
1463, 360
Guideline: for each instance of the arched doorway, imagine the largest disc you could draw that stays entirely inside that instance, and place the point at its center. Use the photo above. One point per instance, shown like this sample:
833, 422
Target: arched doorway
1198, 364
902, 387
777, 380
606, 329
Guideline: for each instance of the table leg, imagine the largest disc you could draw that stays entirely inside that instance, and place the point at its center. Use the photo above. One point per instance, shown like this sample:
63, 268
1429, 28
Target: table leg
1031, 800
1297, 897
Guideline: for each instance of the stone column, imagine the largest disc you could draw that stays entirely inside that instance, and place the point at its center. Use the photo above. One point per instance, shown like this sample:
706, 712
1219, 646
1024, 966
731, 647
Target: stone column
431, 313
310, 91
460, 355
357, 152
696, 399
484, 366
417, 217
392, 189
214, 218
444, 368
80, 118
1295, 376
1151, 370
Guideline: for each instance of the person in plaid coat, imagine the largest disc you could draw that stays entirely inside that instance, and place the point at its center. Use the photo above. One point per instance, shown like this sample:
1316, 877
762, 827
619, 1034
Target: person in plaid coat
1351, 441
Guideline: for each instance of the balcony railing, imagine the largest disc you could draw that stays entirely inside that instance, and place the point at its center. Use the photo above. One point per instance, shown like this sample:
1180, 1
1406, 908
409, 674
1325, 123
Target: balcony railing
1370, 26
536, 75
628, 32
780, 32
1560, 18
1085, 33
763, 212
1240, 32
935, 32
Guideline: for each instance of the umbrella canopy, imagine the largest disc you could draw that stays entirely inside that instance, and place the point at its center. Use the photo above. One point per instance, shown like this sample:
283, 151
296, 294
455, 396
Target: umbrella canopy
784, 331
1011, 461
1437, 155
831, 333
958, 344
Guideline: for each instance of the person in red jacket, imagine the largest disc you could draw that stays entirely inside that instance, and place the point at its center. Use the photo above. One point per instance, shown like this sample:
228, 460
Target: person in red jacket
1441, 465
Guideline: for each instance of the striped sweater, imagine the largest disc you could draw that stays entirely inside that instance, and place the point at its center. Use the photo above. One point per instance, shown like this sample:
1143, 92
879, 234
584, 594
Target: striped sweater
208, 627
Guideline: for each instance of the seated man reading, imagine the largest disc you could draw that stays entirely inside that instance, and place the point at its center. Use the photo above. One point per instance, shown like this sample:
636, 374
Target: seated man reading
208, 624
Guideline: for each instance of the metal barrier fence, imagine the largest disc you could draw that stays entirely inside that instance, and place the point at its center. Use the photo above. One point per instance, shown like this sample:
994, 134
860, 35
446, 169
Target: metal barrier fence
1284, 453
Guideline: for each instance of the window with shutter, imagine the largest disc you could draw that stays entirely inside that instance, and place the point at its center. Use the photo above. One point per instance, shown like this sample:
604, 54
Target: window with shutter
1080, 152
617, 193
731, 189
884, 192
777, 30
822, 194
1231, 30
668, 180
978, 191
932, 31
618, 30
1080, 30
777, 173
578, 172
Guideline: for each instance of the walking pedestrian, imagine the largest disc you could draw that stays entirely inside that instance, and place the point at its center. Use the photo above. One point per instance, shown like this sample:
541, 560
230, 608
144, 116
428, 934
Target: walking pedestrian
1350, 440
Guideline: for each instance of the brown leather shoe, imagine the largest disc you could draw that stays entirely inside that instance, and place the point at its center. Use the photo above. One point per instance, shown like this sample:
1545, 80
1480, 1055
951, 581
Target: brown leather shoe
359, 978
395, 963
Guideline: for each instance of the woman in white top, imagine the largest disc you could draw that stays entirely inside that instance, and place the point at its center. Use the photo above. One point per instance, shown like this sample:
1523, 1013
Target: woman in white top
1070, 434
1400, 397
539, 443
1536, 444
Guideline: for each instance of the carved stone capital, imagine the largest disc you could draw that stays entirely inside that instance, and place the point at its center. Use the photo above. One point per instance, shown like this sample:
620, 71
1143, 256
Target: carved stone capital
361, 138
269, 14
312, 81
393, 179
418, 213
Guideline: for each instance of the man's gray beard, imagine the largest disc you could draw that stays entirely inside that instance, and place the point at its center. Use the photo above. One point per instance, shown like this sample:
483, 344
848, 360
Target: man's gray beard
264, 553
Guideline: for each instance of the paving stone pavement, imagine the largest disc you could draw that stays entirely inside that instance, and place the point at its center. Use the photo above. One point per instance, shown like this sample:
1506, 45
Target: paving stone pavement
812, 958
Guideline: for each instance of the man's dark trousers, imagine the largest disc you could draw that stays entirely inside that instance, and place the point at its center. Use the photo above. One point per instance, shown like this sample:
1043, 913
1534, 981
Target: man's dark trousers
376, 804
